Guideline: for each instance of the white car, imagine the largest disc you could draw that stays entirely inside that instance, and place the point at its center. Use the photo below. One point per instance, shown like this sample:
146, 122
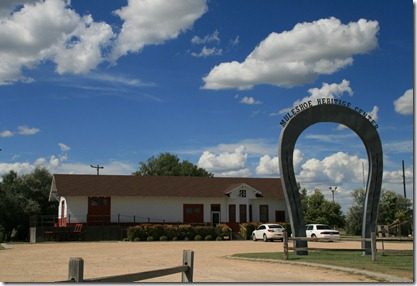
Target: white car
268, 232
322, 232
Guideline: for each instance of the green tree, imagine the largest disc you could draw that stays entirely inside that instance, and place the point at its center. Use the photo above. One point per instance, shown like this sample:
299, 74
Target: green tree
319, 210
355, 213
22, 197
167, 164
392, 207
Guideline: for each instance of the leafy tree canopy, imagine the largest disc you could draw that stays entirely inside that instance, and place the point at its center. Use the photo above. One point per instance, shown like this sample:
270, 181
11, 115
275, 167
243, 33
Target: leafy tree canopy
167, 164
392, 207
319, 210
22, 197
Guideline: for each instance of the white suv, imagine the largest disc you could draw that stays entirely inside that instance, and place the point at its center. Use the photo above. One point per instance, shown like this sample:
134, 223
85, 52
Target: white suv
322, 232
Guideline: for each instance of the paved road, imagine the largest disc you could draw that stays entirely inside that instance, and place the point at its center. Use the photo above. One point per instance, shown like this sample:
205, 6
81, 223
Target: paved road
46, 262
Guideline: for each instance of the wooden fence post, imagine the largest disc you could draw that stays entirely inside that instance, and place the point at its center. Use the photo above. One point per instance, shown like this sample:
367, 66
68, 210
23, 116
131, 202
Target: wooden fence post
383, 248
76, 269
285, 243
188, 260
373, 246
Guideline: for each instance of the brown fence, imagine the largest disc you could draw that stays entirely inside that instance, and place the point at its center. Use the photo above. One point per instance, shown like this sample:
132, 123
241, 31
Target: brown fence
373, 241
76, 272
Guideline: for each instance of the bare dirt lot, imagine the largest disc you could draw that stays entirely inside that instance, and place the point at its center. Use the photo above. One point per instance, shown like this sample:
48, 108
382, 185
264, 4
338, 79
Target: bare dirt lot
48, 262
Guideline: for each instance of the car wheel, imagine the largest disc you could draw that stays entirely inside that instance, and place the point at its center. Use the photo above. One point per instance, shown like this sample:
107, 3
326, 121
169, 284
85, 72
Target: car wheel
253, 237
314, 237
265, 238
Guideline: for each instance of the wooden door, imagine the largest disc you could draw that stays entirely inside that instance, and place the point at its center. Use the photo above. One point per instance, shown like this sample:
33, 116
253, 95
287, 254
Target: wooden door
232, 213
193, 213
242, 213
99, 209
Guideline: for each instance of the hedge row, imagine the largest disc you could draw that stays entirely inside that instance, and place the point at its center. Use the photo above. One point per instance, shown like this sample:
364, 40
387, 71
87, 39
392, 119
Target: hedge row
152, 232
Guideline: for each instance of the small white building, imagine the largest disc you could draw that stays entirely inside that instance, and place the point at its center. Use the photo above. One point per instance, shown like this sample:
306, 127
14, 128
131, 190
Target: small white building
107, 199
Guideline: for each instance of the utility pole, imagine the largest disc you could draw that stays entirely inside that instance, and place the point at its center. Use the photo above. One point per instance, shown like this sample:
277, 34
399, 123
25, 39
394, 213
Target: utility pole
333, 189
97, 167
405, 193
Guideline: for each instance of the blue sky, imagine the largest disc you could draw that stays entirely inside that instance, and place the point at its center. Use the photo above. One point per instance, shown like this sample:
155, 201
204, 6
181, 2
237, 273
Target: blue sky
115, 83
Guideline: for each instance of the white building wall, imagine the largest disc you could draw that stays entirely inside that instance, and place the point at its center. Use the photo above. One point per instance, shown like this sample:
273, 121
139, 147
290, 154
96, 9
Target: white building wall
77, 208
157, 209
169, 209
273, 205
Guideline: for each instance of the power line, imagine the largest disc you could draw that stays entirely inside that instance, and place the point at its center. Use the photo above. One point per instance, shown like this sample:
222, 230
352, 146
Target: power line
405, 193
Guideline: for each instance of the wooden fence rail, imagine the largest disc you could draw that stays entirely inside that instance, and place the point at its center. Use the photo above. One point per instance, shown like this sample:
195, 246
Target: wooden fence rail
76, 271
373, 240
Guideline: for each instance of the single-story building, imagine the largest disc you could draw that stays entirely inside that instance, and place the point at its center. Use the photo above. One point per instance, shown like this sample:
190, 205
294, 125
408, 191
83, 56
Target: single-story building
107, 199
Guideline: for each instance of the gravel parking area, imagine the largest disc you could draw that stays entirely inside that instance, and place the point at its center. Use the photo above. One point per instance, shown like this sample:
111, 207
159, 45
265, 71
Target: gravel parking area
48, 262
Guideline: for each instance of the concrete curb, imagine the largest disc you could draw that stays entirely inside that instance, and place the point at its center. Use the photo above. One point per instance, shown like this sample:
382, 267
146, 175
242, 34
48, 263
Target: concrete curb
380, 277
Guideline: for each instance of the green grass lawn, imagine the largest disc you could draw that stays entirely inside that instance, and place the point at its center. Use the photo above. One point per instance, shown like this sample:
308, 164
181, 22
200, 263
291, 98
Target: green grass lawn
398, 263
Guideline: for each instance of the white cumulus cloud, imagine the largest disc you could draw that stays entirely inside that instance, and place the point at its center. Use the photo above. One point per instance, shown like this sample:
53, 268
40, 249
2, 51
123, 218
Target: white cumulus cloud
297, 56
6, 133
64, 147
268, 166
334, 90
59, 164
207, 52
37, 31
224, 163
82, 50
212, 38
404, 104
249, 100
49, 30
337, 168
25, 130
154, 22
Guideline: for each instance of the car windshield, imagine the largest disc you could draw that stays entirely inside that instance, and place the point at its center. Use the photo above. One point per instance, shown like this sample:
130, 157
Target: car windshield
275, 226
323, 226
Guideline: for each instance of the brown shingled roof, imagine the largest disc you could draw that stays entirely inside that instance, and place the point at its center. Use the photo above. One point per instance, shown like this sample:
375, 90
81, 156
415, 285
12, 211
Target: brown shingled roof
114, 185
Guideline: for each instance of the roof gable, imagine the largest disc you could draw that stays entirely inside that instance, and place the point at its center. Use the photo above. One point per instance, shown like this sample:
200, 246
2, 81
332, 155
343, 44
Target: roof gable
243, 190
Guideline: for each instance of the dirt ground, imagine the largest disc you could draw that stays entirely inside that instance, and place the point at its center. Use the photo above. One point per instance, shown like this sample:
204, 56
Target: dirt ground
48, 262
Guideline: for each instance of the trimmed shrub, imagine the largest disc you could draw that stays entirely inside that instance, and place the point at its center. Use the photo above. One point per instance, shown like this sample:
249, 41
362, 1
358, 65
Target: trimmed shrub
173, 232
170, 232
149, 238
208, 237
163, 238
205, 231
185, 230
198, 237
156, 231
223, 230
219, 238
246, 229
136, 232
